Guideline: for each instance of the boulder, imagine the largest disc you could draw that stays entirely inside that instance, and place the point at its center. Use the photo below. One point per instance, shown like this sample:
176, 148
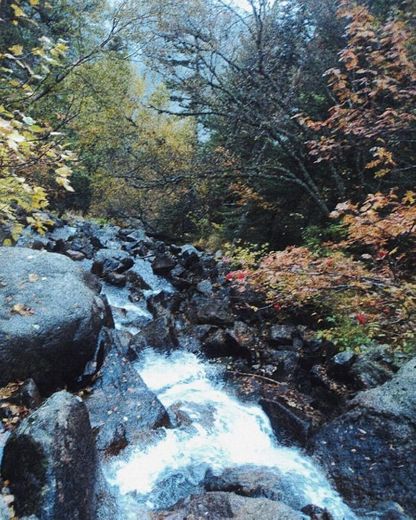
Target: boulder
76, 256
220, 343
212, 311
205, 287
286, 364
49, 318
339, 365
375, 366
160, 333
108, 261
121, 406
370, 451
51, 462
83, 245
163, 264
316, 513
254, 482
219, 505
282, 334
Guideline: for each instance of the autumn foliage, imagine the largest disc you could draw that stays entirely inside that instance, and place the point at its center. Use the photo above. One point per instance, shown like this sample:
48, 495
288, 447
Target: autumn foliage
375, 91
361, 287
33, 157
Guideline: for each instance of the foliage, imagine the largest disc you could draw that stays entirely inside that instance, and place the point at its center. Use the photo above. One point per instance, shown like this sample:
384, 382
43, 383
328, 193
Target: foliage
385, 226
359, 286
243, 256
375, 92
31, 153
351, 304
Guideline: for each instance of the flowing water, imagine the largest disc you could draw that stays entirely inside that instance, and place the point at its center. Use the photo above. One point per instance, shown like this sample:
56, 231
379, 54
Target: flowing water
218, 431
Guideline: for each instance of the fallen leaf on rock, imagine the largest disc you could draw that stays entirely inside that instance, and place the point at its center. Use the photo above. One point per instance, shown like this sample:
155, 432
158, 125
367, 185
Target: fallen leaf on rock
23, 310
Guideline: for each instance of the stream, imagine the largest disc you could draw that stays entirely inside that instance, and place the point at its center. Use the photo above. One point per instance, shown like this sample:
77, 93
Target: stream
217, 431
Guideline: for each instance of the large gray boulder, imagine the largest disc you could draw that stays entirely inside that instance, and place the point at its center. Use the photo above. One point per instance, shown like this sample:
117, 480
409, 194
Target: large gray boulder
122, 408
49, 318
219, 505
370, 451
51, 462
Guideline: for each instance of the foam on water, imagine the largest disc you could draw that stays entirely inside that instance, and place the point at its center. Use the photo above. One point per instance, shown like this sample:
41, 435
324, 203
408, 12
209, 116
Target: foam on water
225, 433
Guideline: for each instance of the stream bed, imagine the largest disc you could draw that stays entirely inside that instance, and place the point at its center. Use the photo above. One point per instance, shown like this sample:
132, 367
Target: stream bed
214, 431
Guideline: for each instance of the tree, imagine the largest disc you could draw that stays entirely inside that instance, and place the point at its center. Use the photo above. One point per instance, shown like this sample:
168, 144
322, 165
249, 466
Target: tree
30, 151
373, 119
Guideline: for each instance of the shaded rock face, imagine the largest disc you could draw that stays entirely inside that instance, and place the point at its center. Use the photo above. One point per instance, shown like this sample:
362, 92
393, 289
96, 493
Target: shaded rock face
370, 450
50, 461
219, 505
49, 318
121, 406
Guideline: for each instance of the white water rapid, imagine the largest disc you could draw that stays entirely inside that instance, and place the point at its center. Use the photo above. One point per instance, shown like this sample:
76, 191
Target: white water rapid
224, 433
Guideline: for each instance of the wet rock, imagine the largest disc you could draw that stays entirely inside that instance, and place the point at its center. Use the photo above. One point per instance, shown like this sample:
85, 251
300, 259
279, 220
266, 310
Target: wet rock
121, 406
105, 237
205, 287
370, 450
340, 364
159, 334
254, 482
219, 505
49, 318
64, 233
214, 311
286, 364
51, 462
290, 412
82, 245
28, 395
178, 417
77, 256
164, 303
219, 343
189, 255
282, 334
108, 261
117, 279
133, 236
163, 264
180, 283
137, 281
373, 367
316, 513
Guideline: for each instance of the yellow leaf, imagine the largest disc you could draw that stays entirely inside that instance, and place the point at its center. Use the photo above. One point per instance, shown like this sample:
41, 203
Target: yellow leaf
18, 11
409, 198
16, 50
33, 3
